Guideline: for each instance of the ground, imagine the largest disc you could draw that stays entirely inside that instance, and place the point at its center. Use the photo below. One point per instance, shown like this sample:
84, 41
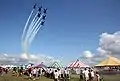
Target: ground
9, 77
105, 77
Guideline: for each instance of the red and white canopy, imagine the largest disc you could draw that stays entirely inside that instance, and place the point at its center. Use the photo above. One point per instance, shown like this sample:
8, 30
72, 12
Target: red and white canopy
77, 64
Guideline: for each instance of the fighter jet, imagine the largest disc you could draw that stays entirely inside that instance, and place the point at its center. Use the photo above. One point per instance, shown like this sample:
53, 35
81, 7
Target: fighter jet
39, 9
42, 23
39, 14
34, 6
45, 11
44, 17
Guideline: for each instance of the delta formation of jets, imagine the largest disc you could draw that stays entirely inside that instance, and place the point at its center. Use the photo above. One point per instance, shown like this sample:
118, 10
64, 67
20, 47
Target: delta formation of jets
40, 10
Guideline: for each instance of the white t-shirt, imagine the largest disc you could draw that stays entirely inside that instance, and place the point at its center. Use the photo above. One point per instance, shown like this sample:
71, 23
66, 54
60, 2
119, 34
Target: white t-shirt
41, 70
56, 74
92, 74
98, 76
66, 72
86, 73
62, 71
34, 71
50, 71
59, 72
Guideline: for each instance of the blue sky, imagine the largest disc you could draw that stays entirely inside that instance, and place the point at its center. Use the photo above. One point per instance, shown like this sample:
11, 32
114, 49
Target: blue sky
72, 26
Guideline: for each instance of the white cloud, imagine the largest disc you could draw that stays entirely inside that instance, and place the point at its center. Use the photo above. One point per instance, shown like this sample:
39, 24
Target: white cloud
109, 43
24, 58
88, 54
92, 59
29, 56
38, 58
6, 55
101, 51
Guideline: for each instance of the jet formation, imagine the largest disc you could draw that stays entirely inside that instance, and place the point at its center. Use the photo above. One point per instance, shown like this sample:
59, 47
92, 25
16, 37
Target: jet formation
40, 11
34, 23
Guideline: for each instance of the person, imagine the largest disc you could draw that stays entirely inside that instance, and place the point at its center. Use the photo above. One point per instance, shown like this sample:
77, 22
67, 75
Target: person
59, 71
6, 70
39, 72
62, 73
98, 76
14, 71
1, 71
48, 70
92, 74
89, 74
20, 71
67, 76
30, 73
81, 74
50, 73
86, 76
56, 75
34, 73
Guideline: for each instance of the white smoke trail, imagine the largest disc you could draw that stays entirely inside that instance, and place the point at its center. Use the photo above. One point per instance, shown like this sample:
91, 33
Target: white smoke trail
31, 25
35, 32
34, 26
36, 23
24, 30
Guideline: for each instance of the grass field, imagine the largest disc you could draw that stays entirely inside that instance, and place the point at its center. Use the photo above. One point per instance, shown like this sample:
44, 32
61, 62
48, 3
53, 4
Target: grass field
9, 77
105, 78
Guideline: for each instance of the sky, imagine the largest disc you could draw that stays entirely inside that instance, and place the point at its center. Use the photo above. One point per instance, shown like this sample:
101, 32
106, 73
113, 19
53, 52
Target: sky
72, 27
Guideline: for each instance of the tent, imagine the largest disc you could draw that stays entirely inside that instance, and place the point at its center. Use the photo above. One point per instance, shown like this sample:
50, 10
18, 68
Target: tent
41, 65
29, 65
111, 61
77, 64
56, 65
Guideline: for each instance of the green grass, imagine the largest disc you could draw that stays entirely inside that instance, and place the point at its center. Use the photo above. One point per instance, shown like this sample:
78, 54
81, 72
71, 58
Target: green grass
105, 77
111, 77
9, 77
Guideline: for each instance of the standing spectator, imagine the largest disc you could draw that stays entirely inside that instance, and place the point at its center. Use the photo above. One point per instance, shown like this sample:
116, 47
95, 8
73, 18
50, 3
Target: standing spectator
59, 71
92, 75
6, 70
39, 72
14, 70
86, 76
1, 71
50, 73
98, 76
21, 70
66, 74
81, 74
30, 73
89, 74
62, 73
56, 75
34, 73
48, 70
